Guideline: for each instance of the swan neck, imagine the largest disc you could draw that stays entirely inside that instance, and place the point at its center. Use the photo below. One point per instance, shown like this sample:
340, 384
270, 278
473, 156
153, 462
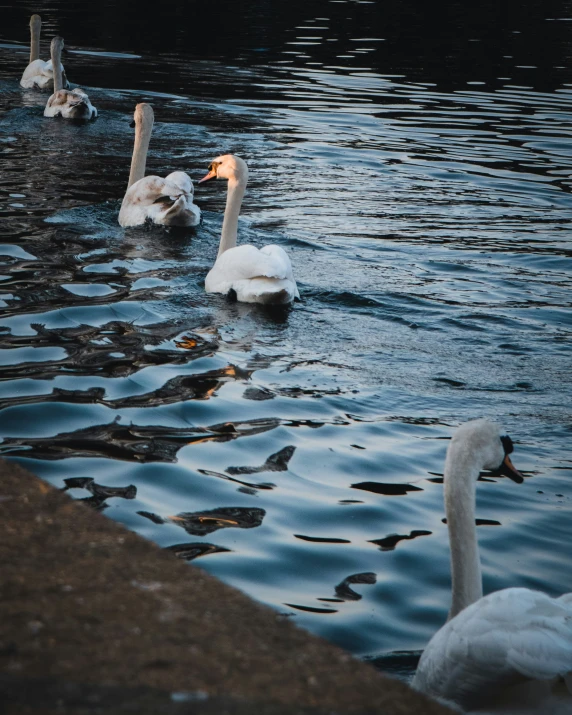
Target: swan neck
35, 27
460, 479
236, 189
143, 129
56, 56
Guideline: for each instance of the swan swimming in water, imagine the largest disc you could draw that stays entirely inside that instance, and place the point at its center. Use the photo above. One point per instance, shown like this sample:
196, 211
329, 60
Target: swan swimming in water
249, 274
510, 651
69, 104
39, 74
167, 201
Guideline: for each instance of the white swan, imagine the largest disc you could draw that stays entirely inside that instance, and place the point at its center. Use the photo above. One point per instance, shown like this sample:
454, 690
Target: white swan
39, 74
167, 201
249, 274
511, 651
69, 104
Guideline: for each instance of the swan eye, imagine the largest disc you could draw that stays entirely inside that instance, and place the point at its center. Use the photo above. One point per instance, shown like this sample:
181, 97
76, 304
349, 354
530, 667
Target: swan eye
507, 444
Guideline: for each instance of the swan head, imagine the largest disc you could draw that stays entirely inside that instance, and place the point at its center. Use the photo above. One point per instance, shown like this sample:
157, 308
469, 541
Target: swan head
143, 115
57, 45
482, 441
35, 22
227, 166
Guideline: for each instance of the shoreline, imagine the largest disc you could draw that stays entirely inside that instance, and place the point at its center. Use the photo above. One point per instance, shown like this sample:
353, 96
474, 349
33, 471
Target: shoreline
94, 616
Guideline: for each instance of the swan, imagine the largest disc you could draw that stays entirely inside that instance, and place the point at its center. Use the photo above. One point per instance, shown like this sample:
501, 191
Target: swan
510, 651
39, 74
167, 201
69, 104
249, 274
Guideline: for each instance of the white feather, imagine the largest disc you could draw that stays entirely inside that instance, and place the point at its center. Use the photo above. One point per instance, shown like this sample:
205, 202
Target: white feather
40, 75
142, 201
256, 275
70, 104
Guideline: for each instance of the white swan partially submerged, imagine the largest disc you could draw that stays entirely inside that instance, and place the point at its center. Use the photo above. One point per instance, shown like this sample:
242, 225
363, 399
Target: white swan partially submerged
510, 651
39, 74
249, 274
68, 104
167, 201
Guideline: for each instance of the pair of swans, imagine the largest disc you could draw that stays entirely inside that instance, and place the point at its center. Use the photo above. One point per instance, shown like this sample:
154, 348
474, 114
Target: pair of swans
244, 273
511, 651
65, 103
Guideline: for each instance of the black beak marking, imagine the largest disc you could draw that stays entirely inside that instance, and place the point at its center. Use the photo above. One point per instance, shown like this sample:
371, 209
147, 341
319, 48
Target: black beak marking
132, 124
507, 443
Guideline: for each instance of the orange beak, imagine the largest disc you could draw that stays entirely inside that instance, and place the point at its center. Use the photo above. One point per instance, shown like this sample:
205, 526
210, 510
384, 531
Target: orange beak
209, 176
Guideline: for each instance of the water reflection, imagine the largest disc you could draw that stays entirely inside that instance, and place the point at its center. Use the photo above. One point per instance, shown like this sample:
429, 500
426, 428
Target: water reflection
100, 493
344, 590
206, 522
192, 551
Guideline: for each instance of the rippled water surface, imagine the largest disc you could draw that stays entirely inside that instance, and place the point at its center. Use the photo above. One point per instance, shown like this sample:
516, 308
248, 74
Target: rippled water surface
418, 170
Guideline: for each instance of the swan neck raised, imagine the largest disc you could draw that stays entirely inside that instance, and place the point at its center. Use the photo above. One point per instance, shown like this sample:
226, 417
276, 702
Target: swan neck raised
461, 472
236, 189
56, 56
143, 127
35, 27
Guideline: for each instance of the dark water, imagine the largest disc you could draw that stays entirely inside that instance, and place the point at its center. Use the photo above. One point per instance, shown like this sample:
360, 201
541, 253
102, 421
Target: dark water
417, 166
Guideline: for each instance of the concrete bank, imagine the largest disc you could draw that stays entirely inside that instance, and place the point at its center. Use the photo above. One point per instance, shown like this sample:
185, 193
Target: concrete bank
93, 618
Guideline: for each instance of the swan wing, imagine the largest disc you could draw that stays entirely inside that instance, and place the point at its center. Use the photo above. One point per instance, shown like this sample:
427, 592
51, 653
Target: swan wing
256, 275
506, 638
39, 74
143, 200
70, 104
245, 262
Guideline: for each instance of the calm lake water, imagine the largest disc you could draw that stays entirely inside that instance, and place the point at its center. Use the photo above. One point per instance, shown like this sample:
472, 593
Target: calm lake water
417, 166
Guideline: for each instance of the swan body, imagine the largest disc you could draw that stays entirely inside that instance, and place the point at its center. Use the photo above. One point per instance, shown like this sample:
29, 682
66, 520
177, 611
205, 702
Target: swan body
39, 74
256, 275
68, 104
508, 652
167, 201
249, 274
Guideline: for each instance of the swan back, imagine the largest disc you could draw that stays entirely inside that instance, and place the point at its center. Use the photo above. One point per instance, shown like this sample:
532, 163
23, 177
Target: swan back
256, 275
70, 104
161, 201
496, 646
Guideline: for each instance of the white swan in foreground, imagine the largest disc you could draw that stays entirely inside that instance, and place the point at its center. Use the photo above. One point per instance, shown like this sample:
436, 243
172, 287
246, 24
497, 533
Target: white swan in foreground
167, 201
249, 274
39, 74
511, 651
69, 104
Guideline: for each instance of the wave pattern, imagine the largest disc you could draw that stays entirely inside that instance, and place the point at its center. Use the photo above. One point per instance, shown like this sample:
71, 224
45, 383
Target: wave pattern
303, 451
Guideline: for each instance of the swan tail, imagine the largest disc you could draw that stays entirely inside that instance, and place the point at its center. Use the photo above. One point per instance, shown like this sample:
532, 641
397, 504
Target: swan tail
181, 213
266, 291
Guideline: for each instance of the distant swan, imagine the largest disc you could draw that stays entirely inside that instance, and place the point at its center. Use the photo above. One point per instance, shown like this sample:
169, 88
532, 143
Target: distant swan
510, 651
69, 104
249, 274
167, 201
39, 74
